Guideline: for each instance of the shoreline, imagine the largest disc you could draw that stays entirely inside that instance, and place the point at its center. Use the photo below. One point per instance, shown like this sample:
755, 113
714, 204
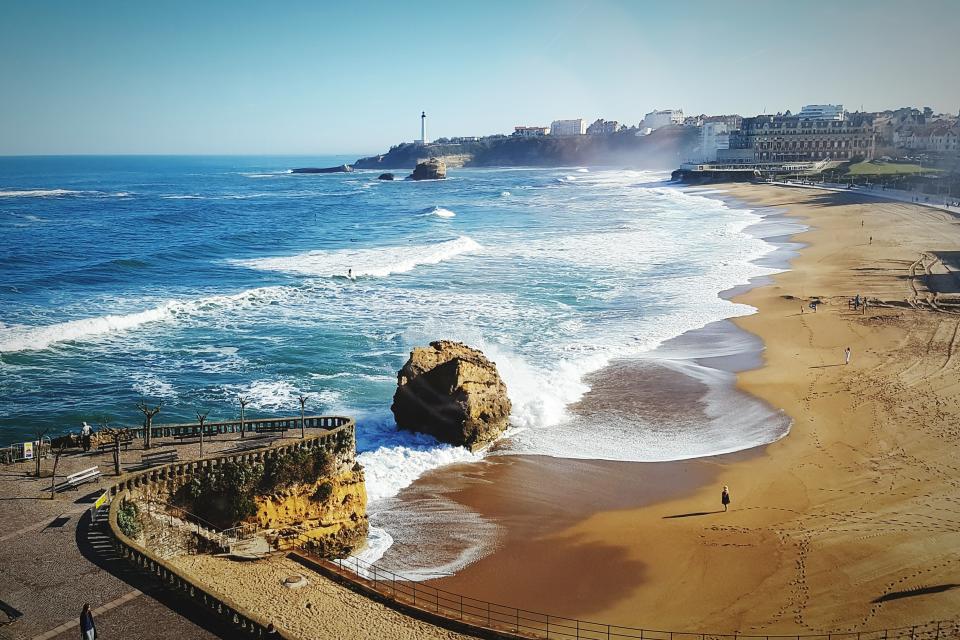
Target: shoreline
720, 348
801, 527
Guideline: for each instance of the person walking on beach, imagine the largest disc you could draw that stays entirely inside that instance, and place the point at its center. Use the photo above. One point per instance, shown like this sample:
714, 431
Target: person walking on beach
725, 497
846, 356
86, 431
88, 631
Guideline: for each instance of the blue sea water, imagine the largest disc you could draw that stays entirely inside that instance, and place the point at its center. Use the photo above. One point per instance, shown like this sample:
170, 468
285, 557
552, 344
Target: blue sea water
195, 280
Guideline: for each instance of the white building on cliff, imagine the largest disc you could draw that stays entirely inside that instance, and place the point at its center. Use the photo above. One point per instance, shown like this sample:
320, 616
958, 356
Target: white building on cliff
576, 127
663, 118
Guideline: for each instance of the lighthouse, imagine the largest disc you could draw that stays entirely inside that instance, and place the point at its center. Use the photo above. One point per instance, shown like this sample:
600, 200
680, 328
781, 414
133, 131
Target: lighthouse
423, 127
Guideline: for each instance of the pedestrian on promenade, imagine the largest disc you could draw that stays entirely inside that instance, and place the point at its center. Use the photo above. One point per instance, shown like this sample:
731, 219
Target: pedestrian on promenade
88, 631
846, 355
725, 497
871, 239
85, 433
272, 631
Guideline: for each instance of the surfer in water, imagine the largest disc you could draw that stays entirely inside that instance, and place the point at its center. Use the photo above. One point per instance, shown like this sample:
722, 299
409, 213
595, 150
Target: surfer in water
349, 274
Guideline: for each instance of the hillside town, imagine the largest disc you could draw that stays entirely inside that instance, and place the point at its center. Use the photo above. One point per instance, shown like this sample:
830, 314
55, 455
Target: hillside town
910, 148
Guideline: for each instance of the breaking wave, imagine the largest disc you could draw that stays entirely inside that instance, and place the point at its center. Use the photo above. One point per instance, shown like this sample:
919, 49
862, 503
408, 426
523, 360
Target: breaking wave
363, 262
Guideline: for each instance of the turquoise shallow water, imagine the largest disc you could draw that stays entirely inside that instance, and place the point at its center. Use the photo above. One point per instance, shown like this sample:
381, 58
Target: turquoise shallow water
197, 279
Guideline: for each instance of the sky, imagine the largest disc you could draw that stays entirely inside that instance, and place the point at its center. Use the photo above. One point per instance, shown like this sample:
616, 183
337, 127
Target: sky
243, 77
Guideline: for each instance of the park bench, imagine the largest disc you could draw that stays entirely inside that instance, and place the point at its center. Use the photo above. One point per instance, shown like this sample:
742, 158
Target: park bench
74, 480
158, 457
271, 428
255, 442
195, 437
107, 445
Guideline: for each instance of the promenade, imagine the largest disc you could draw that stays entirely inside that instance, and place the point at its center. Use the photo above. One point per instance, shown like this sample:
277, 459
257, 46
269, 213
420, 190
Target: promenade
53, 559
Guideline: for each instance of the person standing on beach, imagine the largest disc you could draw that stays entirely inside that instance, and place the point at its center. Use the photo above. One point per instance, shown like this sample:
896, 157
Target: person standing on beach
88, 631
725, 497
846, 355
86, 431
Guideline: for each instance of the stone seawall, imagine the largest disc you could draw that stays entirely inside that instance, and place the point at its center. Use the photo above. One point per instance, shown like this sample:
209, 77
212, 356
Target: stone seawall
158, 481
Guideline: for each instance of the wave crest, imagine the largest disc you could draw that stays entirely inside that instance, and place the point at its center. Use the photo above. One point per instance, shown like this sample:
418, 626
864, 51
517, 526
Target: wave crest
363, 262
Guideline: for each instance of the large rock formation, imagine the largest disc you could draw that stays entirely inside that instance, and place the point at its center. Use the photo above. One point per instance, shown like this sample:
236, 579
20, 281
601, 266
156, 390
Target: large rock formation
432, 169
452, 392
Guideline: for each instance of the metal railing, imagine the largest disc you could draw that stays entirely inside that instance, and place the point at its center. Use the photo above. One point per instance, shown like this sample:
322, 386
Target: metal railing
513, 622
255, 425
204, 528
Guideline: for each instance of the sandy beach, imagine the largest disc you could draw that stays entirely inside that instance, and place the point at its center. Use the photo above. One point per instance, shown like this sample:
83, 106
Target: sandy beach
848, 523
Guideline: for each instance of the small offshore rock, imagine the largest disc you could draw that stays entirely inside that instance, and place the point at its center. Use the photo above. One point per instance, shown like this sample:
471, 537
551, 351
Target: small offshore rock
385, 176
432, 169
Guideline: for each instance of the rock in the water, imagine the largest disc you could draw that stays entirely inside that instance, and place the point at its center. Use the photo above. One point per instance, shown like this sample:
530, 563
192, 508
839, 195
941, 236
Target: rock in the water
344, 168
385, 176
432, 169
452, 392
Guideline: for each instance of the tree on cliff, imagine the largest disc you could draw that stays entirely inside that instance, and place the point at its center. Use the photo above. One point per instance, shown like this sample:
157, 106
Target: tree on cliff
148, 415
116, 436
38, 449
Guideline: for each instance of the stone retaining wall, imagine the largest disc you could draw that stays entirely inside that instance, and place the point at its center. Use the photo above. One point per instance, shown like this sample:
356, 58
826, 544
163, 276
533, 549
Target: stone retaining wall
341, 433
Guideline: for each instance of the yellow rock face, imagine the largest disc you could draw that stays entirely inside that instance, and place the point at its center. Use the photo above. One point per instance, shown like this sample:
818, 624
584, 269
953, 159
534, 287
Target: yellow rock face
330, 514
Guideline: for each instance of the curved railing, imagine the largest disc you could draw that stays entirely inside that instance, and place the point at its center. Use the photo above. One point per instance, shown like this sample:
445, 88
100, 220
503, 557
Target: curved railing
489, 619
340, 432
233, 426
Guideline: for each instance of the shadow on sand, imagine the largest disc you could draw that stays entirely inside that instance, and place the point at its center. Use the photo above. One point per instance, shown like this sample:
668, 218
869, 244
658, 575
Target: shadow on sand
920, 591
692, 514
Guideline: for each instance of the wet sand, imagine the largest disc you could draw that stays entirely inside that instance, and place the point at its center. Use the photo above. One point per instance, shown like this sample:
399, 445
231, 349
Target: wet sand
848, 523
529, 501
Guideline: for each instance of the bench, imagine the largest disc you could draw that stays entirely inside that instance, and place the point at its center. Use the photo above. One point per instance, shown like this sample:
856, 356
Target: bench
108, 445
74, 480
252, 443
159, 457
195, 437
271, 428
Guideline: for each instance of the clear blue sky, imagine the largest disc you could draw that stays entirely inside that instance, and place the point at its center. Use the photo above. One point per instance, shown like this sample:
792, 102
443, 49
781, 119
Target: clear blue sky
352, 77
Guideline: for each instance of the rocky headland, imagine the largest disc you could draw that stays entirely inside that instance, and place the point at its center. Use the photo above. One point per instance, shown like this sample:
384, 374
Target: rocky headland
452, 392
663, 149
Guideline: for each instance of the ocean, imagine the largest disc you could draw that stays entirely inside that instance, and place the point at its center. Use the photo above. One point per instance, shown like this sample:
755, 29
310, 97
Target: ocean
198, 279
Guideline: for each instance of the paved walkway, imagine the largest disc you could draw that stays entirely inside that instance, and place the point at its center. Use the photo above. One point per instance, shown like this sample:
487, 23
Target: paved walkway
53, 559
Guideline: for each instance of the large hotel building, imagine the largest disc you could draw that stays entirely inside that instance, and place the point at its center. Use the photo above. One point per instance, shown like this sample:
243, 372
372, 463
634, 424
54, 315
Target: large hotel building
803, 139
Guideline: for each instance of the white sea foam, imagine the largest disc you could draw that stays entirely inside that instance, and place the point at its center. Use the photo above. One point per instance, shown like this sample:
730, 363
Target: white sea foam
364, 262
38, 193
56, 193
152, 386
440, 212
186, 196
19, 337
389, 469
505, 194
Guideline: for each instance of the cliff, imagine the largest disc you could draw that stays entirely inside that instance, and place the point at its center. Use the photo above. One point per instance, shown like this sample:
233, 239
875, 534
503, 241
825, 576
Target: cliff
312, 496
330, 514
663, 149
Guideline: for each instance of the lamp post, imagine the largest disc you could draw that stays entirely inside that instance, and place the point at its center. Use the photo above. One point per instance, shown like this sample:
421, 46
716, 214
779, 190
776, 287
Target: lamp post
303, 431
200, 418
244, 400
